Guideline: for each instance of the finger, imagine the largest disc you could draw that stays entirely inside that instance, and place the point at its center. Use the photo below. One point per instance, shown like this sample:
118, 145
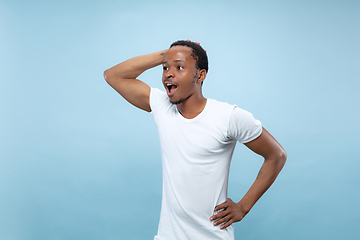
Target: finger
221, 206
188, 40
197, 43
220, 212
222, 220
227, 224
218, 215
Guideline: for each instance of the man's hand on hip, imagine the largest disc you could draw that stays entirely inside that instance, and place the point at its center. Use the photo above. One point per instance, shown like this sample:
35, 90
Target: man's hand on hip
230, 212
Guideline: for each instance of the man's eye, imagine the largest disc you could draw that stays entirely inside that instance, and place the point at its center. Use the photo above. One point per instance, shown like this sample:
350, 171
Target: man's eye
180, 68
165, 68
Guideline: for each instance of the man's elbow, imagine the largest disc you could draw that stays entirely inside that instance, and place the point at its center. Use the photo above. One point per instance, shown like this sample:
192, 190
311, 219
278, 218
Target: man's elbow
107, 75
110, 77
281, 158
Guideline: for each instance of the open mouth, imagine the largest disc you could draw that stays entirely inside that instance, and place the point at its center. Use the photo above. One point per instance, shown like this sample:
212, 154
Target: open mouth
170, 88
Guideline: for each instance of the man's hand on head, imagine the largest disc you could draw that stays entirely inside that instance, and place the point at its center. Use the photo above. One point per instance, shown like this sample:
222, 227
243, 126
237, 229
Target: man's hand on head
230, 212
195, 43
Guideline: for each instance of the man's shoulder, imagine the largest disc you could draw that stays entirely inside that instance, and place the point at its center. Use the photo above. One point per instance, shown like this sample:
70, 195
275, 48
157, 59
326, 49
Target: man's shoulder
226, 106
219, 105
157, 97
159, 102
220, 110
157, 92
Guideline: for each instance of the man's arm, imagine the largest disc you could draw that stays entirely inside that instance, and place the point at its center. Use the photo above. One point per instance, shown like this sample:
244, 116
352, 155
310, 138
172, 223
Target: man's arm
122, 78
274, 160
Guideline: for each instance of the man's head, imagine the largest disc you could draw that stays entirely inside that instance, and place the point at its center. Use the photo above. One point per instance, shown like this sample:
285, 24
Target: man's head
184, 71
199, 54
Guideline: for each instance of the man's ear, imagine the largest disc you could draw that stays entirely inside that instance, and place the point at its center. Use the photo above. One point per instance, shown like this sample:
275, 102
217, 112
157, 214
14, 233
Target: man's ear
201, 76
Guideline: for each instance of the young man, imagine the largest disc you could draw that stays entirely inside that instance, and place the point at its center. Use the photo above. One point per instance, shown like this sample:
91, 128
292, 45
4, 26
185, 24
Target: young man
197, 138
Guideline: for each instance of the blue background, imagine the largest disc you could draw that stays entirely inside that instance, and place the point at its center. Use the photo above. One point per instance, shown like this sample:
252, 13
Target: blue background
79, 162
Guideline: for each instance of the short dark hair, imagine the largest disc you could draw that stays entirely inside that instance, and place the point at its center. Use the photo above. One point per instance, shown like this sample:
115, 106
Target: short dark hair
199, 54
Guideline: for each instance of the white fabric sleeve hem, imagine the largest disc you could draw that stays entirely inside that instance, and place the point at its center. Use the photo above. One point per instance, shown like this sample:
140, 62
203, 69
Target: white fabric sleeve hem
243, 126
254, 136
151, 100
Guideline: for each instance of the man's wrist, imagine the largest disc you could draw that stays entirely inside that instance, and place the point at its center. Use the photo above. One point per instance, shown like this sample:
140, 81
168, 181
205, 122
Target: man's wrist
245, 207
163, 53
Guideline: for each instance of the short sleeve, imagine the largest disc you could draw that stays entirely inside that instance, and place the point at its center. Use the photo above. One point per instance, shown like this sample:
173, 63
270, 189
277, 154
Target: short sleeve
159, 103
243, 126
157, 99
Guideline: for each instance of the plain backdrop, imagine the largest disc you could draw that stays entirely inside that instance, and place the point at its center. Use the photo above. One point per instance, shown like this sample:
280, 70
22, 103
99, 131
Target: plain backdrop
79, 162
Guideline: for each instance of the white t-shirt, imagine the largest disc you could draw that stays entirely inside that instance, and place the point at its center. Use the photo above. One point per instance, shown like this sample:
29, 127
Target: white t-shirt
196, 155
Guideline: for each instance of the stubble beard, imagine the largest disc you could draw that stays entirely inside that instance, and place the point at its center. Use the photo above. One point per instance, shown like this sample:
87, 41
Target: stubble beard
181, 100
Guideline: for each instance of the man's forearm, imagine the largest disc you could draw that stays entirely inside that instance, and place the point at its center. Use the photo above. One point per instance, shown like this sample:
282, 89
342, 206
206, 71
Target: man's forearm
266, 176
122, 78
231, 212
132, 68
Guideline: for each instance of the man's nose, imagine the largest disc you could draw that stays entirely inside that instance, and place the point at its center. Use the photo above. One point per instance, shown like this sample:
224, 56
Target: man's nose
169, 74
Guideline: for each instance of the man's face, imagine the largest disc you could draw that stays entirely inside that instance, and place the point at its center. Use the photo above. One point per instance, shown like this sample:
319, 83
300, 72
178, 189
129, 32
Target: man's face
180, 74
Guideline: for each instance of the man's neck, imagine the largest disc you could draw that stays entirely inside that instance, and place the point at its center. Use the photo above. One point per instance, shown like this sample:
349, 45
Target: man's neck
192, 107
